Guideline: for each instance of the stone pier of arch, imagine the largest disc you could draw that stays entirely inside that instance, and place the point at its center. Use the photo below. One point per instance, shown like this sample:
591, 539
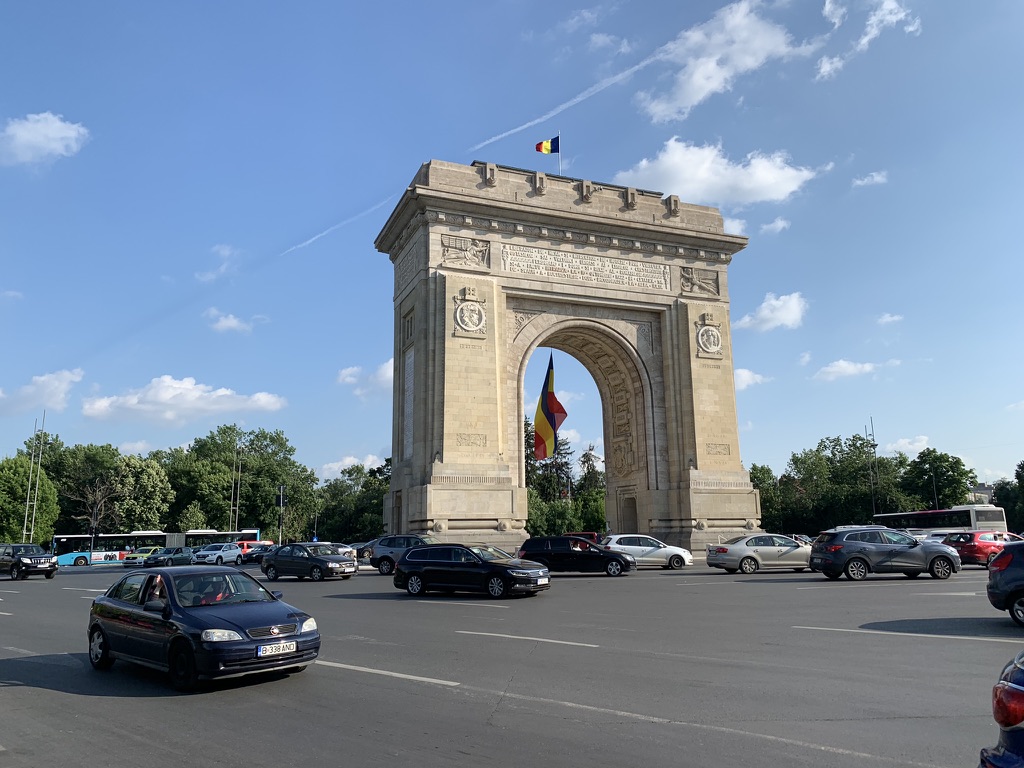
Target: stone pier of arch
491, 263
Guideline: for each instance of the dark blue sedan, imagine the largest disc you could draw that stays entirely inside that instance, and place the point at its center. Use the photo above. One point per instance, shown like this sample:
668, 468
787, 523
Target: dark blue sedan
199, 623
1008, 712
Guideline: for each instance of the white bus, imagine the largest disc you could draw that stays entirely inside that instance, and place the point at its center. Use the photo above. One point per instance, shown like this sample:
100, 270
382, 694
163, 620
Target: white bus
964, 517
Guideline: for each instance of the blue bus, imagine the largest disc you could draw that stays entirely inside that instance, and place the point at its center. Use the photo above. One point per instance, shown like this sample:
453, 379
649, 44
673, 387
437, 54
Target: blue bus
103, 548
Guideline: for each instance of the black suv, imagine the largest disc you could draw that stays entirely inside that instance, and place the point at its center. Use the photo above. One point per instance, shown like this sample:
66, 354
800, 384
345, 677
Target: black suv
573, 553
1006, 581
457, 567
19, 561
858, 550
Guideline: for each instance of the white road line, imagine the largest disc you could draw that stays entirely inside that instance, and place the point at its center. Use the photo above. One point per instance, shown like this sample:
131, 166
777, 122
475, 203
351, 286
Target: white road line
868, 585
523, 637
22, 651
2, 613
472, 605
82, 589
913, 634
413, 678
949, 594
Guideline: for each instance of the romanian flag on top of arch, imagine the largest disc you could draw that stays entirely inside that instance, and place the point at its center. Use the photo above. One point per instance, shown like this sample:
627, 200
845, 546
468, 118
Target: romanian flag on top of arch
550, 415
549, 147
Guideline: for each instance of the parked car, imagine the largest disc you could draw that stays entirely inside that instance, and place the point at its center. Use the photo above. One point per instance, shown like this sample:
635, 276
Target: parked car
647, 550
19, 561
860, 550
199, 623
169, 556
363, 549
571, 553
1005, 587
307, 558
255, 554
750, 553
979, 547
588, 535
345, 549
459, 568
800, 538
138, 557
248, 546
1008, 712
218, 554
386, 550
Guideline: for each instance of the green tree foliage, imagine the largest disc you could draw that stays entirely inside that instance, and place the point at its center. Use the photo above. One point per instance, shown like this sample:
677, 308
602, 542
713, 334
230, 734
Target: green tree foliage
764, 480
591, 478
28, 501
554, 475
938, 479
142, 495
86, 480
1007, 494
352, 505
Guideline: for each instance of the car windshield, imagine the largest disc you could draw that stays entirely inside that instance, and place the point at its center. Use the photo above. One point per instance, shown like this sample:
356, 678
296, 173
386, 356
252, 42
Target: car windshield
738, 539
322, 550
201, 589
28, 549
428, 539
487, 552
164, 551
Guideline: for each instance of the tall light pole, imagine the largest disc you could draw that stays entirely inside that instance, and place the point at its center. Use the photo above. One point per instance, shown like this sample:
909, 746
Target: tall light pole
873, 469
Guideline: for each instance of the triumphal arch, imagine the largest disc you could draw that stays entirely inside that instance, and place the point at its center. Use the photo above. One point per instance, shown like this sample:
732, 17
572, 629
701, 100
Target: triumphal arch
491, 263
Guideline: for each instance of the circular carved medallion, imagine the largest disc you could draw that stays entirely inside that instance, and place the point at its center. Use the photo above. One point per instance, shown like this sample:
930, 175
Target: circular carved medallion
470, 316
709, 339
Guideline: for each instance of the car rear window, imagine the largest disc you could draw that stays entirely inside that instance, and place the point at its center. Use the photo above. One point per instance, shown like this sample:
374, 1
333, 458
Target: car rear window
825, 537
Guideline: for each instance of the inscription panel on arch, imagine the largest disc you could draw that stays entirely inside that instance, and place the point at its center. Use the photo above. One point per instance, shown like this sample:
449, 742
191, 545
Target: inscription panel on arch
562, 265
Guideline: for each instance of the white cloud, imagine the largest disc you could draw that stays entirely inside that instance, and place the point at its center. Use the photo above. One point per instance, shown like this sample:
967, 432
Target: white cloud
745, 379
776, 312
884, 15
50, 391
333, 469
735, 226
910, 446
229, 258
381, 381
586, 17
776, 226
842, 369
805, 358
704, 174
834, 12
572, 435
11, 294
600, 41
221, 322
887, 318
138, 447
873, 178
40, 137
171, 400
711, 56
349, 375
565, 396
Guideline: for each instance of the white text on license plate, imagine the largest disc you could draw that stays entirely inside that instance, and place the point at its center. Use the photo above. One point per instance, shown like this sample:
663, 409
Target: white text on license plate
274, 650
542, 580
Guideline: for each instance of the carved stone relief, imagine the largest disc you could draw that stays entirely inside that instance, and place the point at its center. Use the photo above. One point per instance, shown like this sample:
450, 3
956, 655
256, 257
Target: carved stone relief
465, 251
708, 336
703, 281
470, 314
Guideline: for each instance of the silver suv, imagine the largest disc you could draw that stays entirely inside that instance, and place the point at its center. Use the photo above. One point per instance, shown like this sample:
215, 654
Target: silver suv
860, 550
386, 550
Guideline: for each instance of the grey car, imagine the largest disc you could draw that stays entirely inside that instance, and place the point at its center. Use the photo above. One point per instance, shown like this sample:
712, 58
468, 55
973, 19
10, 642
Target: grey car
386, 550
859, 550
752, 552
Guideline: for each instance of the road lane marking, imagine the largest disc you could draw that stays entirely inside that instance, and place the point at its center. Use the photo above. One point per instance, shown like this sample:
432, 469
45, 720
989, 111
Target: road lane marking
386, 673
913, 634
472, 605
82, 589
524, 637
950, 594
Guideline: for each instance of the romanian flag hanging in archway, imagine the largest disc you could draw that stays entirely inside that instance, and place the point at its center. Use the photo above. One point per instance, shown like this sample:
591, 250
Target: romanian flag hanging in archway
550, 415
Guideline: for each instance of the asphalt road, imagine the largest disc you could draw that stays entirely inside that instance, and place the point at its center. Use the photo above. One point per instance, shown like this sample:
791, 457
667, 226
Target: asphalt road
658, 668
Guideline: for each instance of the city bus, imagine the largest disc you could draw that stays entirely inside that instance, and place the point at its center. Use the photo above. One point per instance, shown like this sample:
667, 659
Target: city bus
103, 548
200, 537
964, 517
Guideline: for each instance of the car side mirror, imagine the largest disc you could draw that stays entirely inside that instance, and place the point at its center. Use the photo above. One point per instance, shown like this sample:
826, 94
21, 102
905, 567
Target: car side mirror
278, 594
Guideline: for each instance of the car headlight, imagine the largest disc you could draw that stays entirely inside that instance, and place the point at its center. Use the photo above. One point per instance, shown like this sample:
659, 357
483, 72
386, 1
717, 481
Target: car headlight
334, 565
309, 625
220, 635
53, 559
26, 560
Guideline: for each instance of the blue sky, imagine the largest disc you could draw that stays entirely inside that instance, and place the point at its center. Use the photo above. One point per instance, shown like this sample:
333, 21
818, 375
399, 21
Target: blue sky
189, 196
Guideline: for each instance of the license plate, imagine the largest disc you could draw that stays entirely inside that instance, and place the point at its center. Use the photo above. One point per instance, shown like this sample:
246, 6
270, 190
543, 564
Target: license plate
542, 580
274, 650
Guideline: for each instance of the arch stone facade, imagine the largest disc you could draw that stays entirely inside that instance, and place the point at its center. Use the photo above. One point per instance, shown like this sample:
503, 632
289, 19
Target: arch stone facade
491, 263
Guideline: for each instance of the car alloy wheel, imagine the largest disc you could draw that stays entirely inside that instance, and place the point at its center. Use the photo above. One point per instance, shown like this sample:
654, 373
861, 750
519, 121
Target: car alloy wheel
99, 651
675, 562
414, 585
386, 567
220, 560
496, 586
614, 568
941, 568
15, 573
238, 560
856, 570
748, 565
1017, 610
271, 573
316, 573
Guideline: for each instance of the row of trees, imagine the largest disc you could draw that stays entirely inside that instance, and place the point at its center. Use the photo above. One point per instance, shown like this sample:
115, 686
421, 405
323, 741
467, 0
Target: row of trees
226, 480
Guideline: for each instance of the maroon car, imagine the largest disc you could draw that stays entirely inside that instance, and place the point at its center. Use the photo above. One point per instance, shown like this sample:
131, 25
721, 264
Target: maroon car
979, 547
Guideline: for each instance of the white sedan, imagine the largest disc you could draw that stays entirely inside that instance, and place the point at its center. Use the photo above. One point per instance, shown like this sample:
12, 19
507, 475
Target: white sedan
648, 550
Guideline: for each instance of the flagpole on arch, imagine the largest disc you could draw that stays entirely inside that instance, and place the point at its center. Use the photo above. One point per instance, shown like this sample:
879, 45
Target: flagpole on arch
559, 153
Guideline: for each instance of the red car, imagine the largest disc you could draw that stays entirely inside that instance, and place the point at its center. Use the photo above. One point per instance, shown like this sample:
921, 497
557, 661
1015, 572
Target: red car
979, 547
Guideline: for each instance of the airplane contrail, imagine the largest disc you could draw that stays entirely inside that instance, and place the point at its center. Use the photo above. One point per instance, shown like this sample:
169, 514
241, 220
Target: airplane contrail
330, 229
592, 90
